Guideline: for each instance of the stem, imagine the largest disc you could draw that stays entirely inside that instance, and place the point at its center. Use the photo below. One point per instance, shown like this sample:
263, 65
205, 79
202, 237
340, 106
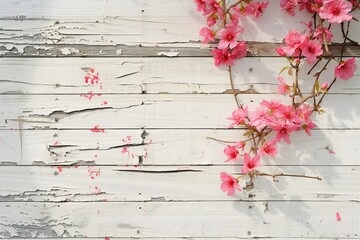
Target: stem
232, 87
274, 176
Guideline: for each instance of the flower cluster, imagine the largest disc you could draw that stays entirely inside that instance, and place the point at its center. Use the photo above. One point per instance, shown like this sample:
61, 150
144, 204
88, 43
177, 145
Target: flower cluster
273, 121
229, 48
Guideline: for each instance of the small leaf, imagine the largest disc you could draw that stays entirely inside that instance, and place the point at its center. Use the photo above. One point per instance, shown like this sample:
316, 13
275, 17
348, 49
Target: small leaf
317, 85
283, 69
248, 133
290, 72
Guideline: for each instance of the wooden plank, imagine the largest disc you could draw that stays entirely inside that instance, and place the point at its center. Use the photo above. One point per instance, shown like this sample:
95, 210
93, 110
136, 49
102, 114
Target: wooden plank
166, 147
168, 184
151, 111
155, 75
255, 49
126, 22
182, 238
180, 219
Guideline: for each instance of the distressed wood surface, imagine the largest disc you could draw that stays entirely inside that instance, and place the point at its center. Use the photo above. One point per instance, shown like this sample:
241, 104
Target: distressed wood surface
133, 156
167, 147
178, 219
153, 76
176, 183
152, 111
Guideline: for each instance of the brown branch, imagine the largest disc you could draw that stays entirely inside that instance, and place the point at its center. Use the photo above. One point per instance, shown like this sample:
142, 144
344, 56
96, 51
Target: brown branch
274, 176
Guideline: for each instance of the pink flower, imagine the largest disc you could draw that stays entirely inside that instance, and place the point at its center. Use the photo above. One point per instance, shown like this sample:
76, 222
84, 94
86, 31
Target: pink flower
240, 50
200, 5
308, 126
211, 20
222, 57
228, 36
256, 8
238, 116
294, 41
207, 35
283, 131
272, 105
214, 8
304, 111
346, 69
240, 145
311, 50
318, 34
232, 153
288, 115
283, 88
259, 118
250, 163
336, 11
269, 149
289, 6
229, 184
324, 86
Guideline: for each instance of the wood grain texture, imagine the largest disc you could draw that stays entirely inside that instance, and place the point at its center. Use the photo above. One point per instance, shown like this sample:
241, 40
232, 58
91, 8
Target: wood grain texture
167, 147
153, 76
180, 219
160, 28
150, 170
152, 111
172, 183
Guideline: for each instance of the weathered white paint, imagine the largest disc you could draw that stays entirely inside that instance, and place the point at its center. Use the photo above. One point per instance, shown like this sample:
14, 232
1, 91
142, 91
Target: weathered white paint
172, 183
181, 219
163, 91
167, 147
152, 111
152, 75
129, 22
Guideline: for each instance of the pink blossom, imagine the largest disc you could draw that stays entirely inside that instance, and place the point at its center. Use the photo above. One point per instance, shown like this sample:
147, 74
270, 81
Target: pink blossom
346, 69
214, 9
324, 86
259, 118
304, 111
235, 15
250, 163
211, 20
240, 145
283, 130
240, 50
229, 184
272, 105
222, 57
256, 8
200, 5
287, 115
309, 125
283, 88
318, 34
280, 51
311, 50
294, 41
228, 36
238, 116
336, 11
232, 153
269, 149
289, 6
207, 34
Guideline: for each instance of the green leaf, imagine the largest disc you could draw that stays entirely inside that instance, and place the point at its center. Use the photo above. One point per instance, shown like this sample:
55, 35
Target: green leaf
283, 69
248, 133
317, 85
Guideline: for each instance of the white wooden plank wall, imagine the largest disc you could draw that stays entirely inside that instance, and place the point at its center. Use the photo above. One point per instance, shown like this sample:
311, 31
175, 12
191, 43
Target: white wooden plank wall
62, 178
